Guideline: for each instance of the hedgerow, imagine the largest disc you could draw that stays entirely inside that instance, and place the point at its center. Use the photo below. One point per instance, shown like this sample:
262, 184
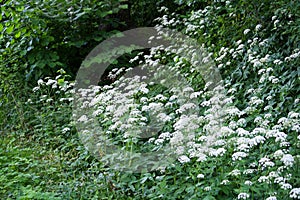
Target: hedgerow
237, 140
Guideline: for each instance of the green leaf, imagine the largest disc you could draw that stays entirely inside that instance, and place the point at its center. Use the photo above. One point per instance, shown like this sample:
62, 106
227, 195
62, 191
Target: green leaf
17, 35
209, 197
123, 6
23, 53
61, 81
10, 29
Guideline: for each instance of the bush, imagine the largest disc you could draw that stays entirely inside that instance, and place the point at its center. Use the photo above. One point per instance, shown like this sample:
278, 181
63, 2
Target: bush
254, 155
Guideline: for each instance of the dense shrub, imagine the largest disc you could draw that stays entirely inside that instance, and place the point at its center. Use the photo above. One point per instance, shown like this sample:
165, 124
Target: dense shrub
37, 38
255, 47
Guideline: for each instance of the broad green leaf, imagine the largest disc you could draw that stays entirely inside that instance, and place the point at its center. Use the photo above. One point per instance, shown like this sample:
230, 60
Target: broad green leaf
61, 81
10, 29
123, 6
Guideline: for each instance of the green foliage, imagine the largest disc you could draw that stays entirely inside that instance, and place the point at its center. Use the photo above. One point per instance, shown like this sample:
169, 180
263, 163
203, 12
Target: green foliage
255, 45
144, 13
38, 38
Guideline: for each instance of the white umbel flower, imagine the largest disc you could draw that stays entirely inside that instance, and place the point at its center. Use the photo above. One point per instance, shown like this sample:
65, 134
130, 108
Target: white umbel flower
184, 159
288, 160
243, 196
295, 193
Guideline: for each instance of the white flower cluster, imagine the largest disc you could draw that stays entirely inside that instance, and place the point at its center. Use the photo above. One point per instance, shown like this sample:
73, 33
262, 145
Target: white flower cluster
287, 160
184, 159
243, 196
271, 198
266, 162
239, 156
295, 193
50, 90
270, 128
